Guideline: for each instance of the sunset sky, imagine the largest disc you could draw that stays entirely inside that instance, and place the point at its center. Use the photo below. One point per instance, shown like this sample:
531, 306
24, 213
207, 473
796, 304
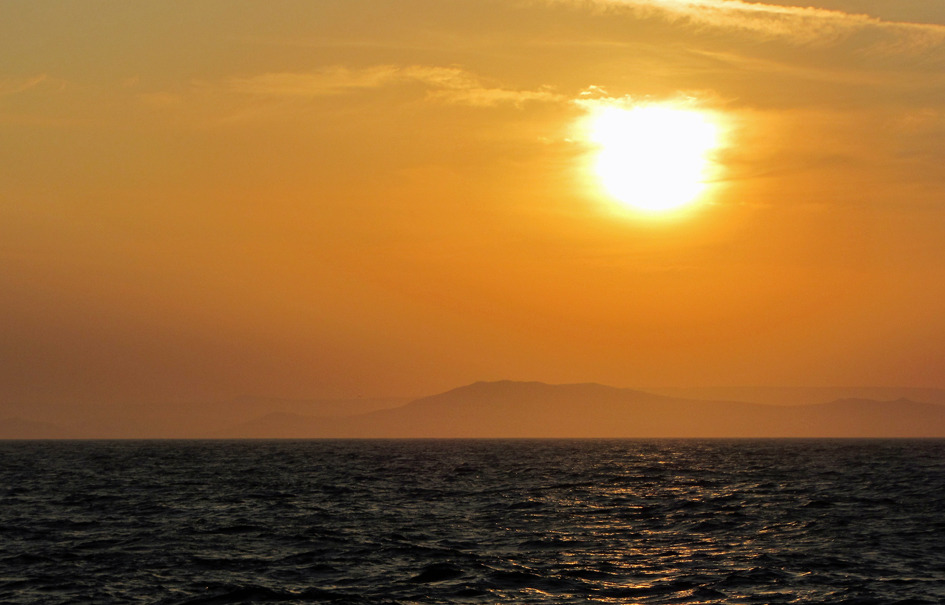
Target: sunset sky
341, 198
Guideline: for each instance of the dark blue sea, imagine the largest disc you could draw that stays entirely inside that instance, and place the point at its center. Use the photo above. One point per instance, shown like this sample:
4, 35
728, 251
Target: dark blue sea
479, 521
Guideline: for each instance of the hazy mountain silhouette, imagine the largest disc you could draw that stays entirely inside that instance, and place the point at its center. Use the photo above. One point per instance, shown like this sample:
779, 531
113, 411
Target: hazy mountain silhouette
802, 395
179, 420
502, 409
19, 428
534, 410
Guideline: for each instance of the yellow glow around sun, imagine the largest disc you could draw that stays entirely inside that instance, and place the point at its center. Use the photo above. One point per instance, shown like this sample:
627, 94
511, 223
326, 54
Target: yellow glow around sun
653, 158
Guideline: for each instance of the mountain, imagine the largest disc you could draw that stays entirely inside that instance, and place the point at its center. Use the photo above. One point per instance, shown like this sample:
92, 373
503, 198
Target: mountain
177, 420
503, 409
803, 395
537, 410
19, 428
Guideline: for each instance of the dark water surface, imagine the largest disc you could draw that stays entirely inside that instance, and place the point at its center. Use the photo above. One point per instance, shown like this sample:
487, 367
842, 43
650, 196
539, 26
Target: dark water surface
472, 522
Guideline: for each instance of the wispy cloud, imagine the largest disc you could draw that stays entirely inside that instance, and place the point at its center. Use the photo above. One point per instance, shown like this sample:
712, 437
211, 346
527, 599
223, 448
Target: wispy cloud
328, 81
446, 84
802, 24
12, 86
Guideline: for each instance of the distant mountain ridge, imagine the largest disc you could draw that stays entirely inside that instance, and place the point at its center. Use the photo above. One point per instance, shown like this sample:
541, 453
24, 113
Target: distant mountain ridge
19, 428
512, 409
538, 410
176, 420
802, 395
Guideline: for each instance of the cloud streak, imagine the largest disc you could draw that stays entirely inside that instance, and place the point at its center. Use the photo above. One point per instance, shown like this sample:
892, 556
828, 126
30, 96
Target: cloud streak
446, 84
801, 24
16, 86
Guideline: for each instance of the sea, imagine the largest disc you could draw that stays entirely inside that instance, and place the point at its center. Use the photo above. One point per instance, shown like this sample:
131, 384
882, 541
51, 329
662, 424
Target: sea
473, 521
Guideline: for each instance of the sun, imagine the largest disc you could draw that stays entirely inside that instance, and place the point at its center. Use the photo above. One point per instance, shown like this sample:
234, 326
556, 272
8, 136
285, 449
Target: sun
653, 158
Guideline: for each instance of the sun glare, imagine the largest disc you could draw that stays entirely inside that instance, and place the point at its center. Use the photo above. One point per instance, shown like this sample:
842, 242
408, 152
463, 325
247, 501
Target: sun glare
653, 158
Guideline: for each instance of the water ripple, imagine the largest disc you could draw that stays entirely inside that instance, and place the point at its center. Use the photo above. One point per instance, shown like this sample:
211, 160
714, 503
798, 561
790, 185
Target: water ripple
647, 522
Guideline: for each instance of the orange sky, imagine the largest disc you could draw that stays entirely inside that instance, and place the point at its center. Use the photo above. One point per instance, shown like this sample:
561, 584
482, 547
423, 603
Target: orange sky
343, 198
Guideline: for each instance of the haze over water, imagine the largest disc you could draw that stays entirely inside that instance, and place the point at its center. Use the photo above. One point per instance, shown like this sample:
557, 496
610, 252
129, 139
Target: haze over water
473, 521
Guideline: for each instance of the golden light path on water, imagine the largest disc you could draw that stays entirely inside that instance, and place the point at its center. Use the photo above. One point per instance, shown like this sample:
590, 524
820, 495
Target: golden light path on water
654, 158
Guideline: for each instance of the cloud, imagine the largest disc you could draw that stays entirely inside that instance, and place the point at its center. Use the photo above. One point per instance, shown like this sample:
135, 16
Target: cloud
14, 86
489, 97
446, 84
328, 81
801, 24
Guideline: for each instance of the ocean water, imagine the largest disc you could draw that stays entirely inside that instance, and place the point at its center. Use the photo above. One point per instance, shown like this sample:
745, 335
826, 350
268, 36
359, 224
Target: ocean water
479, 521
